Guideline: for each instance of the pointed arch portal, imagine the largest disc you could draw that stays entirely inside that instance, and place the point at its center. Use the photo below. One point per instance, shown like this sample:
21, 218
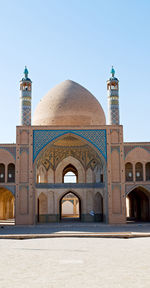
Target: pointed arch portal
138, 205
7, 205
98, 207
70, 207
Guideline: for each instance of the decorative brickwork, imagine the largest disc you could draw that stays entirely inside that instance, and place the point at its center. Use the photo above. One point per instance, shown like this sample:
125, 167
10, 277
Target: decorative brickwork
130, 187
11, 150
24, 149
115, 148
127, 148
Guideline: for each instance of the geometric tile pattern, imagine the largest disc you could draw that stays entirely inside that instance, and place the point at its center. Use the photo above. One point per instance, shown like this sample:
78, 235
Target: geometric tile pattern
113, 100
25, 100
114, 114
11, 150
97, 137
26, 115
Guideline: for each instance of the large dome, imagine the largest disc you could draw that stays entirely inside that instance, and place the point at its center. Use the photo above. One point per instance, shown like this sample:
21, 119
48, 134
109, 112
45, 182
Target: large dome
69, 103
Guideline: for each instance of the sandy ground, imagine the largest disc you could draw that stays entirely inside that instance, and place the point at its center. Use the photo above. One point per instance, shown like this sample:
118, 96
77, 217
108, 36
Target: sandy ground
75, 262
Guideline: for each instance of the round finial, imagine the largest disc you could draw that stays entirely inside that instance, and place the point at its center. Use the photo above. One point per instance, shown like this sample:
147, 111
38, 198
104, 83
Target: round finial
112, 71
26, 72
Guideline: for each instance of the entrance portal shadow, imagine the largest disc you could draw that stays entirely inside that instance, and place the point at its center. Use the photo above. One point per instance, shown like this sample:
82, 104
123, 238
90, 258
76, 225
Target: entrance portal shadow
70, 207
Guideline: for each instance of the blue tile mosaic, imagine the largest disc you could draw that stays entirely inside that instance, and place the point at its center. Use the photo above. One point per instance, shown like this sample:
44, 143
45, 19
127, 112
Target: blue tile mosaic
97, 137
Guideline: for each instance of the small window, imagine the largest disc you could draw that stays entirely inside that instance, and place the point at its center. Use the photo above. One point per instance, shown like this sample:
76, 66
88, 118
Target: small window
129, 172
148, 171
139, 171
2, 173
11, 173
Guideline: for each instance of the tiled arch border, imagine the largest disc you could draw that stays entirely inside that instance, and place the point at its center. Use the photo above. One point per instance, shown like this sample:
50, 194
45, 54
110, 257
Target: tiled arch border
129, 188
11, 150
128, 149
97, 137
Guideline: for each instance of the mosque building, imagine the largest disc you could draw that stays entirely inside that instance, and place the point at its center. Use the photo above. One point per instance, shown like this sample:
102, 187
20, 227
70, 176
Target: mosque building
69, 164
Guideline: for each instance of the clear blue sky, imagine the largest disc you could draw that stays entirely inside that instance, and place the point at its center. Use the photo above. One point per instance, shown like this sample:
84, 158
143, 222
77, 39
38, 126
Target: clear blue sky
77, 40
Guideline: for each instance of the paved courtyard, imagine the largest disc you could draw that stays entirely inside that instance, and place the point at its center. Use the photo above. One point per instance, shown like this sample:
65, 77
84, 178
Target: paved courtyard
75, 262
72, 227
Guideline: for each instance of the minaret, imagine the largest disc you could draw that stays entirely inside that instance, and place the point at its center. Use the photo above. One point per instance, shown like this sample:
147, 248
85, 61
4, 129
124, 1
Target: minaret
113, 99
25, 99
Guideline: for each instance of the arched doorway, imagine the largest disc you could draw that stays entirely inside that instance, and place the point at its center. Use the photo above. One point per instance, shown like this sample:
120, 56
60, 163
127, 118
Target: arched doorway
138, 205
70, 207
98, 207
42, 208
7, 210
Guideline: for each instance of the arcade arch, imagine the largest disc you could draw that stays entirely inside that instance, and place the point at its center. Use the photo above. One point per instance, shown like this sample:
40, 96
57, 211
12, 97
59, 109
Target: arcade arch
138, 205
70, 164
42, 208
98, 207
7, 204
41, 175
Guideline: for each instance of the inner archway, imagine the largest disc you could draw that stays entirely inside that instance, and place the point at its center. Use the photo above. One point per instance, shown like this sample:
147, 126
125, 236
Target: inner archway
42, 207
138, 205
70, 174
7, 200
98, 207
70, 207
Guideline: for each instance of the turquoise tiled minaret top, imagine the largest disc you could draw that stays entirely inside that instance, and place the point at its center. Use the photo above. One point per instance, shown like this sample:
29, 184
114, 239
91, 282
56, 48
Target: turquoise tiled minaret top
112, 71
